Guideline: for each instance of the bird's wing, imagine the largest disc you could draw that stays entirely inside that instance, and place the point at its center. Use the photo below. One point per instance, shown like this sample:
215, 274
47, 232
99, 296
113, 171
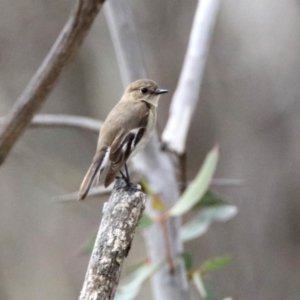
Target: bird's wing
124, 145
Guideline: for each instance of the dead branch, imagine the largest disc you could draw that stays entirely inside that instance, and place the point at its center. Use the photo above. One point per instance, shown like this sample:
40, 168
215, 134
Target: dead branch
120, 217
44, 80
67, 121
93, 193
64, 121
124, 33
188, 90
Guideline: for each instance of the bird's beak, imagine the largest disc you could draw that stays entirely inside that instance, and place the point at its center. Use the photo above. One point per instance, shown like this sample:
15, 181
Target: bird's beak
161, 91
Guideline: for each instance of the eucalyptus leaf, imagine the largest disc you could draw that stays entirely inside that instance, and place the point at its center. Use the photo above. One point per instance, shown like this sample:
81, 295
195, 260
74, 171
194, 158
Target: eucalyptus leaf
188, 261
202, 221
209, 199
210, 294
205, 292
199, 186
130, 287
127, 294
144, 222
146, 187
137, 264
197, 280
215, 264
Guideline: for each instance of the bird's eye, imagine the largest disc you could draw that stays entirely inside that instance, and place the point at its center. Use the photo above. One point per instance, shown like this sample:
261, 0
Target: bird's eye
144, 90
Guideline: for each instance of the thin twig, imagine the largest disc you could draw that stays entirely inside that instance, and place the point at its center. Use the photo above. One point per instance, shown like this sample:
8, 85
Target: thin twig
79, 122
94, 192
188, 90
44, 80
120, 217
83, 123
169, 258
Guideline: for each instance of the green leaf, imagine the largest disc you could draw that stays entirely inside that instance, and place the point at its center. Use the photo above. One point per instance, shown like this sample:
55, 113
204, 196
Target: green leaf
146, 187
188, 261
209, 199
215, 264
197, 280
89, 246
137, 265
199, 186
144, 222
203, 220
127, 294
130, 287
210, 295
205, 292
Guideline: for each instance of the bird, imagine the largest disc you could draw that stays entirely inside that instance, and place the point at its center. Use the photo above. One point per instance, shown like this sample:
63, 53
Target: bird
126, 130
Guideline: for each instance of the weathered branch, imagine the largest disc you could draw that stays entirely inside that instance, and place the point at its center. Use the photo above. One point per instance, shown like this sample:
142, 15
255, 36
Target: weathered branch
188, 90
44, 80
64, 121
67, 121
93, 193
124, 35
120, 218
155, 165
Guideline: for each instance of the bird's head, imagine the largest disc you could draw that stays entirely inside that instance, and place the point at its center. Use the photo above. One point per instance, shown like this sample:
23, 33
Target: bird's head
144, 90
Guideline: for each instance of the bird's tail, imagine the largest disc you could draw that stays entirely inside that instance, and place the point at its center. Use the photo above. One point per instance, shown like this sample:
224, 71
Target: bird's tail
91, 173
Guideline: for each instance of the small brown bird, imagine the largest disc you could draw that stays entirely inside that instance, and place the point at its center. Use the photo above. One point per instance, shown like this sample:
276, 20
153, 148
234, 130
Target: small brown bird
126, 131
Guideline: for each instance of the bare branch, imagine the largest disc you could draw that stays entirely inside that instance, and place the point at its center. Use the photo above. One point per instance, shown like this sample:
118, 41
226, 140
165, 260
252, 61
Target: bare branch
120, 218
152, 163
44, 80
188, 90
94, 192
67, 121
124, 34
64, 121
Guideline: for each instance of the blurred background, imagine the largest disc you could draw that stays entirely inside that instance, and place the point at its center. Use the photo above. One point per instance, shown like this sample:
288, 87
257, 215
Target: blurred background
249, 104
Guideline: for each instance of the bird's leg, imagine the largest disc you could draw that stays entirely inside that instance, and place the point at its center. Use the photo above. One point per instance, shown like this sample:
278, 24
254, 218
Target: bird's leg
124, 177
129, 182
127, 174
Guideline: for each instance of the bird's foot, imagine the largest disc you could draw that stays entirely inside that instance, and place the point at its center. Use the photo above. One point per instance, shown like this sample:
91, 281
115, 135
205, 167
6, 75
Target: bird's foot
128, 185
